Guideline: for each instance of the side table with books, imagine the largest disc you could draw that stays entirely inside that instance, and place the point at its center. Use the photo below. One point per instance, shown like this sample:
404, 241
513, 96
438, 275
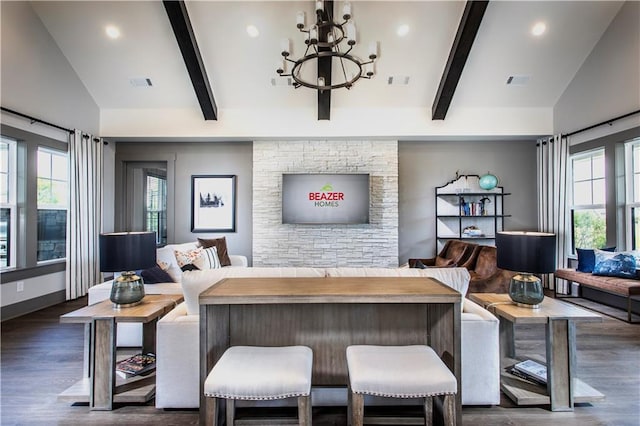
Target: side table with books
552, 380
104, 385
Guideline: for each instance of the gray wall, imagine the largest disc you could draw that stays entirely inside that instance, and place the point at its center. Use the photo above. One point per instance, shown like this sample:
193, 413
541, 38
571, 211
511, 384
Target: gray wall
608, 83
425, 165
422, 166
216, 158
37, 79
607, 86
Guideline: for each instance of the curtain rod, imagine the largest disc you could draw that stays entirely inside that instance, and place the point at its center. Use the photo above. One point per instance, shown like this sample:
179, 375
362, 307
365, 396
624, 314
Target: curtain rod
36, 120
610, 121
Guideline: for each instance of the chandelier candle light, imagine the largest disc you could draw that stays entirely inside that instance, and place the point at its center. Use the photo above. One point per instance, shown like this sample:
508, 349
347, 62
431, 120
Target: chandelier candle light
325, 40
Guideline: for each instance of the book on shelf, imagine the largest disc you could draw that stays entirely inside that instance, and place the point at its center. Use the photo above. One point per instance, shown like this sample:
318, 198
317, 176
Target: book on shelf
530, 370
136, 365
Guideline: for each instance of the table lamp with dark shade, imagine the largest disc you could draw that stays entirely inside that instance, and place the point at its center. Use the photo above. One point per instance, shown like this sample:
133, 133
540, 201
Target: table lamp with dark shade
125, 252
526, 253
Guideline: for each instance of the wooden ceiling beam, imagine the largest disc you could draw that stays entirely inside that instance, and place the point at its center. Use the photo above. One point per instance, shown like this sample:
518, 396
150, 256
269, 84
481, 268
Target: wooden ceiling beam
467, 30
324, 66
183, 31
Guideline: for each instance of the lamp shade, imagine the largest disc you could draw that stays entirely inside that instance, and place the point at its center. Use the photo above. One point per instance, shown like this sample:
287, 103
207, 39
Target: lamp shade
531, 252
127, 251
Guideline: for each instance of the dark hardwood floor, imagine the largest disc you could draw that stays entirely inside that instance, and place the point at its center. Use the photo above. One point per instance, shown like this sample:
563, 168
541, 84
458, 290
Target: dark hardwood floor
41, 357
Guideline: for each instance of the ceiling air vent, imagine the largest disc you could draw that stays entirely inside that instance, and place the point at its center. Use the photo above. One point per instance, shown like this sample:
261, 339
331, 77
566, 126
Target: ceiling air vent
140, 82
518, 80
398, 80
282, 81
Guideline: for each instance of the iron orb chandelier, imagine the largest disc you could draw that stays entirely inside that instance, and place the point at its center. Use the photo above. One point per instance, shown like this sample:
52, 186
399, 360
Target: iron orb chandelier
326, 39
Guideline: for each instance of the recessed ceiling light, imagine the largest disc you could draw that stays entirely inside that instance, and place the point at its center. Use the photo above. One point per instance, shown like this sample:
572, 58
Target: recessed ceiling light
112, 31
538, 29
252, 31
403, 30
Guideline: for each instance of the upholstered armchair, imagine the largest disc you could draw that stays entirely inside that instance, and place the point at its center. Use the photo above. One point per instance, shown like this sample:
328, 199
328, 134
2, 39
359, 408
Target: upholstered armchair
486, 277
454, 253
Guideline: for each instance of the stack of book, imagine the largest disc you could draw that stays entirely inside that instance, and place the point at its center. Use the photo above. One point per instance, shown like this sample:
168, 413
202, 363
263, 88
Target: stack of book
472, 232
530, 370
136, 365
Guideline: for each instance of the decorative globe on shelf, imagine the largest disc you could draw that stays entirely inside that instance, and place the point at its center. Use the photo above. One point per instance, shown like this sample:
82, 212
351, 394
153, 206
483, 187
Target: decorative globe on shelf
488, 181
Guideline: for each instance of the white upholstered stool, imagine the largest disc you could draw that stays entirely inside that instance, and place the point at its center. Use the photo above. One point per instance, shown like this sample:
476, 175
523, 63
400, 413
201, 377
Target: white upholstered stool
261, 373
399, 372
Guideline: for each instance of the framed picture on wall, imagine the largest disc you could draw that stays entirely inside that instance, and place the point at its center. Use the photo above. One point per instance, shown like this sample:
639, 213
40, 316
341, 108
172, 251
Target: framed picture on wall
213, 203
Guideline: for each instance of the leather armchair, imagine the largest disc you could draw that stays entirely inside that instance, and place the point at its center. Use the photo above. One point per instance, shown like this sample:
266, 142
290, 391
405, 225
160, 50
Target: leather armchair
486, 277
454, 253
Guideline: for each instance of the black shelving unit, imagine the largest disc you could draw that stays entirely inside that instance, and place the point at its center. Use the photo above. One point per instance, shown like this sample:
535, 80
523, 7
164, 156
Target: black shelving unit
461, 206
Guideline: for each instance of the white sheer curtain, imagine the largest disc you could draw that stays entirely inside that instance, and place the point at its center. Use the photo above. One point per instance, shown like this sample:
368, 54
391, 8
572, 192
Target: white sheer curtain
552, 161
84, 217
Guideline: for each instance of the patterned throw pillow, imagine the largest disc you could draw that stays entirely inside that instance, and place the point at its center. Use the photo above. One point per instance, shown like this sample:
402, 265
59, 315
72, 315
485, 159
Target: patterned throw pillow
198, 259
185, 258
615, 264
208, 259
587, 258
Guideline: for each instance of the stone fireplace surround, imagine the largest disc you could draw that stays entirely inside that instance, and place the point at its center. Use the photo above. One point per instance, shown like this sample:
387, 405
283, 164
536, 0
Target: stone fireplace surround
278, 244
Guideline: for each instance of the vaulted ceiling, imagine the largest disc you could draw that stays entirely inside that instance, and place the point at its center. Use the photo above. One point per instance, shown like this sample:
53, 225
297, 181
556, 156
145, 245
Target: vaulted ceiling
241, 69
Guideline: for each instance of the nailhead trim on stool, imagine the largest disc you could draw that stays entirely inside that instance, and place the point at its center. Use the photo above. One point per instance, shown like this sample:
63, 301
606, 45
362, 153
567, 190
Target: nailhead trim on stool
399, 372
261, 373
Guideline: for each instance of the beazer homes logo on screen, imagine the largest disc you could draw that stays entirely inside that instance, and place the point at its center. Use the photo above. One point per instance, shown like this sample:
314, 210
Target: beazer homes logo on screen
326, 198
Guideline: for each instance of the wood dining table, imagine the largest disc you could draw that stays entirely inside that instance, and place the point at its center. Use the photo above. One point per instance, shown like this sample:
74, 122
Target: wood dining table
328, 314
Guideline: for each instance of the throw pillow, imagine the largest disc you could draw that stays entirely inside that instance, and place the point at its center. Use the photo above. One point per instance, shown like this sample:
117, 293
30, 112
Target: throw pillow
221, 246
587, 258
189, 267
198, 258
187, 257
155, 275
419, 265
614, 264
208, 259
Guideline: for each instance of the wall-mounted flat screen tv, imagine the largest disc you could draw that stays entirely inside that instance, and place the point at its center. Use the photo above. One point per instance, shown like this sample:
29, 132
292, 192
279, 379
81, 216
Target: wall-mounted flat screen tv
325, 198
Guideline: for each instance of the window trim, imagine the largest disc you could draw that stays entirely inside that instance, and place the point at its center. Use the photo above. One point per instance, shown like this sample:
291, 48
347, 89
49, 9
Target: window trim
52, 152
156, 174
600, 151
631, 204
11, 204
25, 258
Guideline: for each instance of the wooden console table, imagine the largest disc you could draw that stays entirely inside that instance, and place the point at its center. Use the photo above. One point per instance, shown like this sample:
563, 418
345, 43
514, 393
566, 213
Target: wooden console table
329, 314
99, 388
563, 388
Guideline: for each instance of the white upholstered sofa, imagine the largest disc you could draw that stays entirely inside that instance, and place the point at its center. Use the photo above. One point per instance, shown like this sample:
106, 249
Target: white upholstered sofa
177, 376
130, 335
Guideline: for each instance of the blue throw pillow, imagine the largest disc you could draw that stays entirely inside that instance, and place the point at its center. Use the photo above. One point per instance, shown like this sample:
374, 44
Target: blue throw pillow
613, 264
155, 275
587, 258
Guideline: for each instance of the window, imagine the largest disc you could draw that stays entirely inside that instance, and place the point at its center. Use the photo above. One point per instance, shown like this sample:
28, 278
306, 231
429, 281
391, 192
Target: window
156, 205
8, 209
52, 204
588, 216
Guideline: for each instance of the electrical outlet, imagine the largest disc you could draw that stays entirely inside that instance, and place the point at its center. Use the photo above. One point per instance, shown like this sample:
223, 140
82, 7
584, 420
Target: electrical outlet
20, 286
